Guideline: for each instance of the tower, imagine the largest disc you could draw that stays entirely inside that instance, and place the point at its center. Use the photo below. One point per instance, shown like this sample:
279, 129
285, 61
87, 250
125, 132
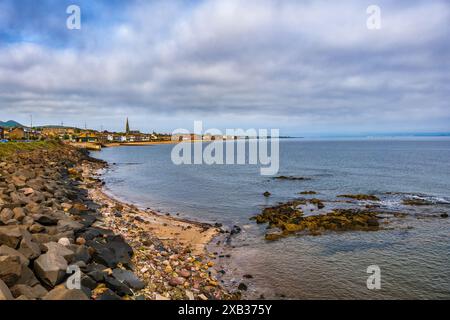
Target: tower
127, 127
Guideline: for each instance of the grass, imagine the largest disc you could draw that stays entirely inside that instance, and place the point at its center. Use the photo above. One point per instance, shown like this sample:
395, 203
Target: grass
10, 148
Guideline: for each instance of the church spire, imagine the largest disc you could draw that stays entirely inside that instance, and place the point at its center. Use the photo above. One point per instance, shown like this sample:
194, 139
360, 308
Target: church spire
127, 127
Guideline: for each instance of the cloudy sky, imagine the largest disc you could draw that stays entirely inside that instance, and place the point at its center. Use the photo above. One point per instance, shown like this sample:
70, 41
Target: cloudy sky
306, 67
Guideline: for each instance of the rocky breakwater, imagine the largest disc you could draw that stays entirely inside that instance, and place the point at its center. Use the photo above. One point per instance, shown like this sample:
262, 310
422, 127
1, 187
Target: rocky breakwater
47, 233
53, 237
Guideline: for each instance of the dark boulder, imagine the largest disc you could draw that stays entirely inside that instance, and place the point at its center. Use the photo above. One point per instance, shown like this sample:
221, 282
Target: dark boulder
129, 278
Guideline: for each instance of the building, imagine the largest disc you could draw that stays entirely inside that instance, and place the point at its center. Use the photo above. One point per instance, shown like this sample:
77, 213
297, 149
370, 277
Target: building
54, 132
87, 137
2, 134
16, 134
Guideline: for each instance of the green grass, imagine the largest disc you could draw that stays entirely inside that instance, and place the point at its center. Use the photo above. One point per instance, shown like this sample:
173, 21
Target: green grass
10, 148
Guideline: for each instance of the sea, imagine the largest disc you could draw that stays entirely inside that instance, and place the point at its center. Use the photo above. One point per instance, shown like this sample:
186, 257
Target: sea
411, 252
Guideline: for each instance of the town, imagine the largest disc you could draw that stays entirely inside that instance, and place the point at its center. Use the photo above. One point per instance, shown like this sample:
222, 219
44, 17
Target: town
89, 138
12, 131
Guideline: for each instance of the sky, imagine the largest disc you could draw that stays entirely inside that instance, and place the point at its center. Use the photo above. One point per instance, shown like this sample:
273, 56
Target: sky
305, 67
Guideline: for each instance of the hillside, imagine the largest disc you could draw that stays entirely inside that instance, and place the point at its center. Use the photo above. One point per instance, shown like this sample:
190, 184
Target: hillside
10, 124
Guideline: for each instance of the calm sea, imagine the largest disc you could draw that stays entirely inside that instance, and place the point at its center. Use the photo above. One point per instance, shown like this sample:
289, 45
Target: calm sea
413, 253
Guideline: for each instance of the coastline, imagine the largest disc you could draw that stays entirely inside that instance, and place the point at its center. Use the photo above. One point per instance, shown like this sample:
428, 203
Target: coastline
148, 232
54, 214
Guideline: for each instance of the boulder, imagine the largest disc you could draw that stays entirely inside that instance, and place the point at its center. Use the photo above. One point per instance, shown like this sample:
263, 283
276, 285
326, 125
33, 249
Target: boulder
29, 249
107, 294
27, 277
5, 293
69, 224
60, 250
62, 293
64, 242
36, 292
7, 251
113, 252
19, 214
6, 214
129, 278
45, 219
36, 228
50, 268
10, 269
118, 287
27, 191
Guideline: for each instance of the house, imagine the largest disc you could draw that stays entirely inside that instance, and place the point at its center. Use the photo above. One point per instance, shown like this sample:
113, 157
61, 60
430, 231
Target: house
87, 137
16, 134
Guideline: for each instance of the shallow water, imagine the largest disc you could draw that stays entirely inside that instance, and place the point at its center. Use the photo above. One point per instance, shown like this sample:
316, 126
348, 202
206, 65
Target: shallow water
413, 253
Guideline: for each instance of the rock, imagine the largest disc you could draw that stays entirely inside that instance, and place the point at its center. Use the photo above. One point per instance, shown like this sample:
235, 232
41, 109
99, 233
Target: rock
68, 224
10, 269
267, 194
19, 214
7, 251
235, 230
81, 253
6, 214
360, 197
184, 273
27, 191
80, 207
444, 215
248, 276
373, 222
59, 250
27, 277
106, 295
159, 297
62, 293
5, 293
29, 249
292, 178
36, 292
36, 228
242, 287
176, 281
80, 241
45, 219
64, 242
88, 282
129, 278
66, 206
118, 287
308, 192
273, 236
50, 268
114, 251
189, 295
27, 221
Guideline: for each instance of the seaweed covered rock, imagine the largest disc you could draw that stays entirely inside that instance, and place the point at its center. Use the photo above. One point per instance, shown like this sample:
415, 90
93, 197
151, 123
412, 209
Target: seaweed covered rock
289, 219
368, 197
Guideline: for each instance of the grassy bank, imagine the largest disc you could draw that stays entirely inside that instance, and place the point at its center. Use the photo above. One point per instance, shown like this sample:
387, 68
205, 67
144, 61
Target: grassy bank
10, 148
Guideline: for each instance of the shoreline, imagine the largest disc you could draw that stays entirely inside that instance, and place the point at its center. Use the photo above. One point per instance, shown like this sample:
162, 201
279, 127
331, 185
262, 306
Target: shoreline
181, 236
55, 214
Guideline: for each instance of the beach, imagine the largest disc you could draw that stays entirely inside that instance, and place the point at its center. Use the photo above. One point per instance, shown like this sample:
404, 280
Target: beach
55, 215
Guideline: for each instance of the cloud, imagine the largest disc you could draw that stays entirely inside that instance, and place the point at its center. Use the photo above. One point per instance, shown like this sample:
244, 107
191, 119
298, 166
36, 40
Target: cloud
305, 67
